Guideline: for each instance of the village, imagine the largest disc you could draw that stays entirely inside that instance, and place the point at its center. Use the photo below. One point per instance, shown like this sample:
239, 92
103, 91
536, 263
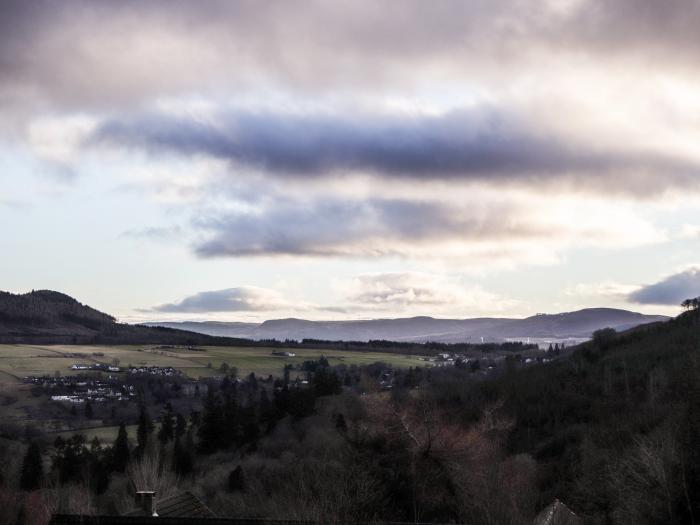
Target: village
96, 388
529, 356
81, 388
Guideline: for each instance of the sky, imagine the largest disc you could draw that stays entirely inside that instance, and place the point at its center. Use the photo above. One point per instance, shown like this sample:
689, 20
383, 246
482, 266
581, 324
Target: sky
243, 160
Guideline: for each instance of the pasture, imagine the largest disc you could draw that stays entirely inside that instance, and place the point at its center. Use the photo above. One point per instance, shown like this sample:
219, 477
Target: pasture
105, 435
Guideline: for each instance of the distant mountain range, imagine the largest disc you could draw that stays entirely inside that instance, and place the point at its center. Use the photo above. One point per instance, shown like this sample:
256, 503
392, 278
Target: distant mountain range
45, 316
570, 325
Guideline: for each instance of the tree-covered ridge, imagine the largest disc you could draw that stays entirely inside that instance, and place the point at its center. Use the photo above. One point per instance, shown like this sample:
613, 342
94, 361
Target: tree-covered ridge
48, 308
614, 429
45, 316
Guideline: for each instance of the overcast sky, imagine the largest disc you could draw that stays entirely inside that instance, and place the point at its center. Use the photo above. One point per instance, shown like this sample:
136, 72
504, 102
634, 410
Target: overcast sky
237, 160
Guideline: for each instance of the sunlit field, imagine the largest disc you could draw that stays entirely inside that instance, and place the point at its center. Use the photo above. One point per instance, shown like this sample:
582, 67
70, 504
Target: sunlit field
18, 361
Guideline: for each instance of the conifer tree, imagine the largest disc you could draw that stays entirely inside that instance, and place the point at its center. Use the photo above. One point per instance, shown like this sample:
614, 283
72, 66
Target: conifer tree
211, 429
145, 428
167, 431
180, 425
236, 480
32, 469
121, 449
231, 425
183, 462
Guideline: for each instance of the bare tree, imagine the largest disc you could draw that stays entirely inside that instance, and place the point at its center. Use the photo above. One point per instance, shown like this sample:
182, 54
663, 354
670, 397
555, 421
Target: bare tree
153, 473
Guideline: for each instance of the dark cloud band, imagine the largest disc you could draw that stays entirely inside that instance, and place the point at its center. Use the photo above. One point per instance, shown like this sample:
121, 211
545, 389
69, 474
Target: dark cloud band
484, 144
670, 291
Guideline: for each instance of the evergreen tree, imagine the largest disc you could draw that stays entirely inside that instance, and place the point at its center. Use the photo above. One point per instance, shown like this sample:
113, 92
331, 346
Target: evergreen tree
250, 425
183, 463
70, 458
340, 423
231, 424
89, 414
99, 462
253, 381
236, 480
195, 418
167, 430
32, 469
120, 450
211, 429
268, 413
180, 425
326, 382
145, 428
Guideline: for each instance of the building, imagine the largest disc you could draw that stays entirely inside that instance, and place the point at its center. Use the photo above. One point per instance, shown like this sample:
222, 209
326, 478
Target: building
557, 514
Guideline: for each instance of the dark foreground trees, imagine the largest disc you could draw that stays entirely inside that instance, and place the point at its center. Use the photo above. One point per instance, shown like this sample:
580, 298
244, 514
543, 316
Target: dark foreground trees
612, 430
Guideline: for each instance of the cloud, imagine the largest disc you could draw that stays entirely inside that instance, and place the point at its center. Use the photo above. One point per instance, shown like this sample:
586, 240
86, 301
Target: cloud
670, 291
401, 289
139, 50
388, 293
154, 233
240, 299
14, 204
479, 229
361, 228
483, 144
689, 231
629, 27
418, 292
608, 290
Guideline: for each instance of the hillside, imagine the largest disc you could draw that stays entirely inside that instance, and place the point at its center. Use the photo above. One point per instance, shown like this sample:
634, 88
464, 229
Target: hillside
577, 325
614, 427
45, 316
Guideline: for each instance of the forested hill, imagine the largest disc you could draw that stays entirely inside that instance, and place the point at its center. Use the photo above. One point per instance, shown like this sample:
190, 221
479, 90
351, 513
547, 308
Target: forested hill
46, 308
614, 429
45, 316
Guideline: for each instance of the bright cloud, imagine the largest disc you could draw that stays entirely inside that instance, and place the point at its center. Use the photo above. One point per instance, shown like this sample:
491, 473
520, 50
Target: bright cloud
240, 299
417, 292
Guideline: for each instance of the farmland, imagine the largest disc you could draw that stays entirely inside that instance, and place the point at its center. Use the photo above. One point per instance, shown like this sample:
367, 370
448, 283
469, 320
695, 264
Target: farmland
23, 403
18, 361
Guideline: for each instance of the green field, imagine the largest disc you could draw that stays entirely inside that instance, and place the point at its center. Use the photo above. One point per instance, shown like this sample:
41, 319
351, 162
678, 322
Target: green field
106, 435
18, 361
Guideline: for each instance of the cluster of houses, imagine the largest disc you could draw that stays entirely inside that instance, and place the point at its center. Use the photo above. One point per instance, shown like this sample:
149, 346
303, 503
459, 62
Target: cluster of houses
485, 363
80, 389
152, 370
167, 371
284, 354
100, 367
386, 380
446, 359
